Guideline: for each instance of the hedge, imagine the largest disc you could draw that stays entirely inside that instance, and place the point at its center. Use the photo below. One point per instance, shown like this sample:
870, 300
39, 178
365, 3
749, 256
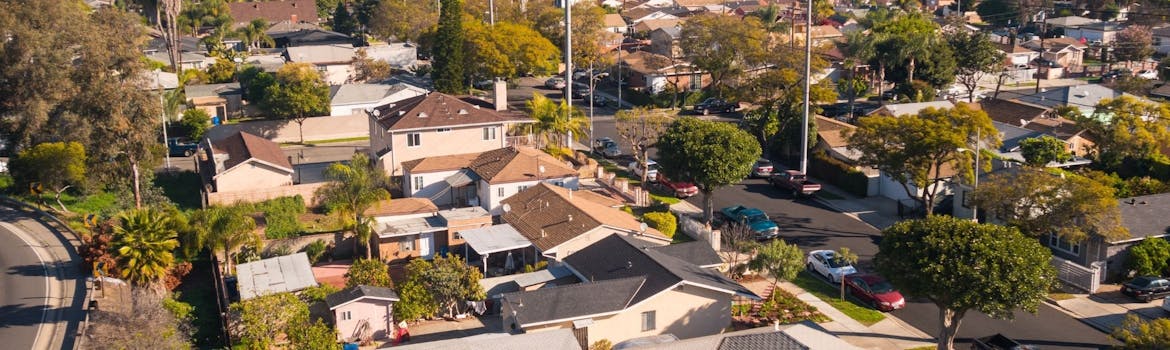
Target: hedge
664, 222
839, 174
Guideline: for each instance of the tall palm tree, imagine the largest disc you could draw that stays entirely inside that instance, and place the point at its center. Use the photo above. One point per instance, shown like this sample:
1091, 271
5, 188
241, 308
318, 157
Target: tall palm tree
255, 33
352, 189
228, 229
144, 246
557, 123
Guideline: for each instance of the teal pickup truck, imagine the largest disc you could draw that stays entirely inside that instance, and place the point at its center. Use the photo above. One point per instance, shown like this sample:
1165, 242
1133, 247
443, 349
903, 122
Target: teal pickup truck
755, 219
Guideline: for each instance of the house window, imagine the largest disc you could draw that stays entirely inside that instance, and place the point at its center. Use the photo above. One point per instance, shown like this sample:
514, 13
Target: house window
406, 244
418, 183
521, 188
966, 199
1061, 244
413, 140
443, 130
648, 321
489, 133
500, 191
321, 68
696, 81
346, 315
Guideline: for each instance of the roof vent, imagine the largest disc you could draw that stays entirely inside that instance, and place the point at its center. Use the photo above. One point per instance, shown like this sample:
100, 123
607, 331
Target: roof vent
422, 114
542, 234
401, 113
571, 216
476, 106
629, 264
462, 111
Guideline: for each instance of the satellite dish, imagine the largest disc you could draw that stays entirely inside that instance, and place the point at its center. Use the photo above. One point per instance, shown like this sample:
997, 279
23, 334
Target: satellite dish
377, 112
506, 208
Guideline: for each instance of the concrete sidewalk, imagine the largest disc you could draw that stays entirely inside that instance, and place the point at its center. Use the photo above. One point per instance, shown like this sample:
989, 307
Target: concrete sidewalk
1106, 309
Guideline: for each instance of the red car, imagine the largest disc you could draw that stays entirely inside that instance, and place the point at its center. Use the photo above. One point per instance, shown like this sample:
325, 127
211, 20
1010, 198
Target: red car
875, 291
680, 189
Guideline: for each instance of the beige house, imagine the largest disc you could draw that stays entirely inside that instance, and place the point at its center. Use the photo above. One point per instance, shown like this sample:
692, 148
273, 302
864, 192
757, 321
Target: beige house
224, 101
362, 310
484, 179
665, 41
437, 124
333, 61
242, 162
653, 73
634, 290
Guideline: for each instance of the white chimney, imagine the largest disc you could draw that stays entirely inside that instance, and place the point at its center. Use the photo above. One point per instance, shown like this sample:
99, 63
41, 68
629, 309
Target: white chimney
501, 95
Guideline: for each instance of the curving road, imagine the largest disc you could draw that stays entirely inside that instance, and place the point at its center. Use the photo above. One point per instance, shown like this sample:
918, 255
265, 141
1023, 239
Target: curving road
42, 293
23, 291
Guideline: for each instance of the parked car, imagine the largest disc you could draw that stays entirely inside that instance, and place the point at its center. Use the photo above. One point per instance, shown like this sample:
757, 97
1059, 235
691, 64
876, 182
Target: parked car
762, 168
1146, 288
999, 342
555, 83
181, 146
680, 189
753, 218
606, 147
714, 105
600, 101
651, 172
1148, 74
825, 263
794, 181
875, 291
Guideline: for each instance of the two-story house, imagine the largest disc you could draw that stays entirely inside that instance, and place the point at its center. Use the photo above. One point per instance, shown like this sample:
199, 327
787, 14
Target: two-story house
437, 124
333, 61
665, 41
1095, 33
484, 179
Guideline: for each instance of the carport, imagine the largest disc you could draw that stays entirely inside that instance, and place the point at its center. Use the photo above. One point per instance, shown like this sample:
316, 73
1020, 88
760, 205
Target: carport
495, 239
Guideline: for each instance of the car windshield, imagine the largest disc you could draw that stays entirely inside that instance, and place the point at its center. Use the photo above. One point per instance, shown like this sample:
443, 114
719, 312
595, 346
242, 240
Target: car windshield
1142, 281
882, 287
653, 166
764, 163
832, 261
757, 217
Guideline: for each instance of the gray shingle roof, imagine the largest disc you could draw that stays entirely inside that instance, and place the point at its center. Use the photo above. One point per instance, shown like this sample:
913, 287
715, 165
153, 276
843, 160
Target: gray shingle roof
1012, 135
695, 252
559, 339
1081, 96
1146, 215
358, 292
761, 341
564, 302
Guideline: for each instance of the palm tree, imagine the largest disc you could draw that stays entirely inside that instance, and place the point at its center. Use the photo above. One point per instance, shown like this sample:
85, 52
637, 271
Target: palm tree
352, 189
144, 245
255, 33
228, 229
557, 123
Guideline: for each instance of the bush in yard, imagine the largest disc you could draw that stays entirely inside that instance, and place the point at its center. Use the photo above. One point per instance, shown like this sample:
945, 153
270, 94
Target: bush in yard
540, 265
1149, 258
282, 216
664, 222
315, 251
195, 122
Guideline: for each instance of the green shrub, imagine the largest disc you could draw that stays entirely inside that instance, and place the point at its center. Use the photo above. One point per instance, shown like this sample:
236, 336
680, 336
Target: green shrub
664, 222
177, 308
540, 265
315, 251
282, 216
317, 293
839, 174
195, 122
1149, 258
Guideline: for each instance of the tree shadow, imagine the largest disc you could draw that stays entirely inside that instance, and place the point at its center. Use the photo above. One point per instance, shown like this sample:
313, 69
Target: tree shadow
32, 270
24, 314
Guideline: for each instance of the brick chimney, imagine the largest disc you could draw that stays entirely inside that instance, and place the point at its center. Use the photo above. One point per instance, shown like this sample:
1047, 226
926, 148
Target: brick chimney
292, 18
501, 95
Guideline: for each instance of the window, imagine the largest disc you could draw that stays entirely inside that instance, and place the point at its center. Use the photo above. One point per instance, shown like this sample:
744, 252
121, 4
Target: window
346, 315
521, 188
322, 68
500, 192
443, 130
412, 139
489, 133
406, 244
966, 199
417, 183
696, 81
648, 321
1059, 243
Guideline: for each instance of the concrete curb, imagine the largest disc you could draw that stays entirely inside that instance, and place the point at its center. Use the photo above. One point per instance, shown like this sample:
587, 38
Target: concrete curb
1056, 305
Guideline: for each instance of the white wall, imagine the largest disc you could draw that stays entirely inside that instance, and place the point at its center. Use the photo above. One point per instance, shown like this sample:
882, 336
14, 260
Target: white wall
337, 74
492, 202
357, 108
433, 184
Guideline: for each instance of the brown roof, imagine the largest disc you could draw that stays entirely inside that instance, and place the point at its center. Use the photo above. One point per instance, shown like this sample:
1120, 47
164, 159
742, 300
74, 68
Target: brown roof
551, 215
274, 11
652, 24
513, 164
601, 198
647, 62
1010, 112
440, 163
1010, 49
696, 3
613, 20
402, 206
436, 110
825, 32
241, 147
832, 131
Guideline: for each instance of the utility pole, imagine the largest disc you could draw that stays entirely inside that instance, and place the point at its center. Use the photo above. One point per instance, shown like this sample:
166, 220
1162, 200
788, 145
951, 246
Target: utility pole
569, 65
621, 47
492, 11
1041, 60
807, 85
163, 115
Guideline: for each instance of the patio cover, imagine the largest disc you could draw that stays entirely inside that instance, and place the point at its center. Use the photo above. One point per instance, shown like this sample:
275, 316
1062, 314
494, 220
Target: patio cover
494, 239
462, 178
287, 273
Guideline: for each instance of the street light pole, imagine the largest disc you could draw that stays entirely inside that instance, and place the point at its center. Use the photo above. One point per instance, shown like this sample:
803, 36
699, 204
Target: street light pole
568, 97
162, 103
807, 85
592, 77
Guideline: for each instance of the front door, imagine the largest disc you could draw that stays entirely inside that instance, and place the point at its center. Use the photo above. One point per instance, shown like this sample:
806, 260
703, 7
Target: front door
426, 245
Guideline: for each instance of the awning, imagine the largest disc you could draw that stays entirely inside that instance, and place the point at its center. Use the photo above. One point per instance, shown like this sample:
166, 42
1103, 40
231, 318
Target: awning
462, 178
492, 239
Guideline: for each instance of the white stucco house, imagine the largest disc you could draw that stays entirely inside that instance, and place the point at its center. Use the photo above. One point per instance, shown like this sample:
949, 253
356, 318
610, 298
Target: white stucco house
484, 179
350, 99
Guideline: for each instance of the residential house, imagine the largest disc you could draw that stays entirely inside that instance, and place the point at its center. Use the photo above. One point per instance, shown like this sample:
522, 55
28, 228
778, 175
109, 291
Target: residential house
647, 26
158, 80
701, 5
349, 99
423, 234
1038, 118
632, 291
825, 34
913, 108
423, 126
1084, 97
1096, 33
242, 161
187, 60
221, 101
1016, 55
402, 56
1162, 40
665, 41
552, 340
614, 23
559, 221
312, 36
275, 12
288, 273
333, 61
644, 13
653, 73
1067, 53
484, 179
361, 310
805, 336
1068, 22
831, 139
1161, 92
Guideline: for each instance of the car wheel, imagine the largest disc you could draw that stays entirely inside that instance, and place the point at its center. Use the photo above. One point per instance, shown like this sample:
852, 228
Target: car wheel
810, 267
188, 153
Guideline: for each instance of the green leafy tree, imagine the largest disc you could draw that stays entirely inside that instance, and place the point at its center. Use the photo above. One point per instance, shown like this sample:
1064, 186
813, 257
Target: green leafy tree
913, 149
448, 50
1039, 151
403, 20
507, 50
558, 124
222, 71
367, 69
352, 190
999, 12
316, 336
255, 82
258, 322
983, 269
709, 154
1127, 128
299, 93
227, 228
724, 46
368, 272
1138, 334
195, 122
641, 128
416, 300
144, 246
781, 261
1134, 43
343, 21
1151, 257
255, 34
977, 58
452, 280
57, 166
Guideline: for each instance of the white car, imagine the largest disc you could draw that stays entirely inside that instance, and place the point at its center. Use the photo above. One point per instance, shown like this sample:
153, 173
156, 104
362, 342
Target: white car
1148, 74
651, 173
825, 263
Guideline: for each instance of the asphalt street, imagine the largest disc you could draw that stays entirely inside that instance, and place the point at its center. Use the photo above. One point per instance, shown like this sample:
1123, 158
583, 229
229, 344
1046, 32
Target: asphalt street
23, 291
811, 225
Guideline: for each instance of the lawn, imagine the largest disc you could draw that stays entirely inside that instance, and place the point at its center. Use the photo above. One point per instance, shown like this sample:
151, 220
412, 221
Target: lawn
850, 307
